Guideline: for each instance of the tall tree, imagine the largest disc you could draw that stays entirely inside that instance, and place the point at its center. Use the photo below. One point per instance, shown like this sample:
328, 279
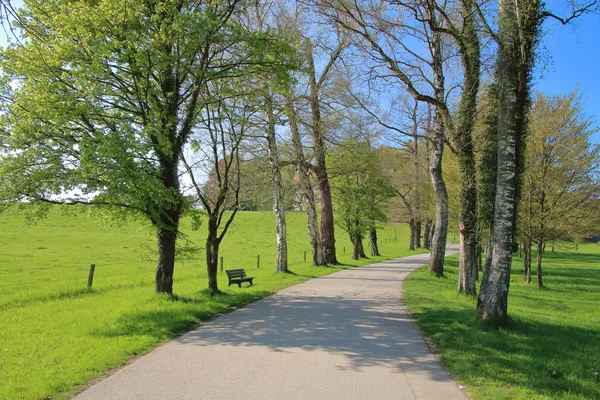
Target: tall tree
467, 41
318, 134
314, 235
518, 24
278, 192
261, 20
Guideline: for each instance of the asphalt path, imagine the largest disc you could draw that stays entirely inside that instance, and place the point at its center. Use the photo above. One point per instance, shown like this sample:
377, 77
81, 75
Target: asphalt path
342, 336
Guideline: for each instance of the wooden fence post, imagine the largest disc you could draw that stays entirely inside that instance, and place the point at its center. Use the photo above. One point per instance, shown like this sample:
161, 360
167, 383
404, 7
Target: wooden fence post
91, 276
221, 263
258, 261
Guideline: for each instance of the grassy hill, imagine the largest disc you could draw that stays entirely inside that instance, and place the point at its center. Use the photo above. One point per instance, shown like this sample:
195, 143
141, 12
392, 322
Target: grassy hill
56, 335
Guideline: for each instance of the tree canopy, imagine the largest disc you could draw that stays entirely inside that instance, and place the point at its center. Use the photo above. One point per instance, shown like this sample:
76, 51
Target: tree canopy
101, 98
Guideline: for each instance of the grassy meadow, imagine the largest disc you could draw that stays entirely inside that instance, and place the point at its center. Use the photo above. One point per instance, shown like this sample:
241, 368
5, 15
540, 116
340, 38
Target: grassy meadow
549, 350
55, 335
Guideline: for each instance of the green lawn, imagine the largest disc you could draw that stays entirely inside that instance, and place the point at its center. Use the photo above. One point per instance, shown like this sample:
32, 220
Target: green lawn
55, 336
549, 350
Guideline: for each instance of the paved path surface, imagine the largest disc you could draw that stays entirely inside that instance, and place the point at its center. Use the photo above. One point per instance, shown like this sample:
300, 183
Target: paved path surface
343, 336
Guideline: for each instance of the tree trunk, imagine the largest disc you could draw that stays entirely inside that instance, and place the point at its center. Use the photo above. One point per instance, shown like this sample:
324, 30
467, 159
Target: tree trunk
320, 168
479, 253
527, 238
166, 239
327, 230
374, 246
467, 269
463, 139
307, 189
426, 233
526, 259
411, 224
467, 221
514, 67
281, 232
431, 231
278, 203
440, 231
494, 300
168, 225
417, 177
486, 268
212, 257
540, 255
358, 249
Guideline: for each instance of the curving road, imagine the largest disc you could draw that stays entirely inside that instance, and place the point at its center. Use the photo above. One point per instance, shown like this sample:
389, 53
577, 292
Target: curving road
342, 336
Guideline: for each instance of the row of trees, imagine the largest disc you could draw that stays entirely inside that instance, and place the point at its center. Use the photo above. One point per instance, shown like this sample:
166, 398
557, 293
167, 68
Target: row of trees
419, 46
135, 106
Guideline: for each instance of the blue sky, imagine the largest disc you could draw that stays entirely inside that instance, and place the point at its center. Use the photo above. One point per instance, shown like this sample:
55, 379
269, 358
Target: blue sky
568, 59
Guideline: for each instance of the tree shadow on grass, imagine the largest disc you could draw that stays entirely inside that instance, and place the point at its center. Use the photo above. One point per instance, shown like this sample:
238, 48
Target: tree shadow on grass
555, 360
575, 258
185, 314
360, 328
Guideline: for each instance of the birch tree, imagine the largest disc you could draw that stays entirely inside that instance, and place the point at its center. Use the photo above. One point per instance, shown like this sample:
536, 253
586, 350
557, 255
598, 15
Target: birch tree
278, 191
261, 20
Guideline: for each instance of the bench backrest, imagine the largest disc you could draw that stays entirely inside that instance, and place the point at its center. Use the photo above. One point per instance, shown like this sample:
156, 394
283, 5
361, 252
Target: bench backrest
236, 273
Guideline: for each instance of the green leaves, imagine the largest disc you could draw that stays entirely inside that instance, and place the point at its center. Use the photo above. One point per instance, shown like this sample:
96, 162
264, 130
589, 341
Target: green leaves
561, 188
102, 96
359, 188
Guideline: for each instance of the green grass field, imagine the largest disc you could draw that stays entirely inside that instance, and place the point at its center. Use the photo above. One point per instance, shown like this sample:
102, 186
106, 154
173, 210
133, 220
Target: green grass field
55, 335
549, 350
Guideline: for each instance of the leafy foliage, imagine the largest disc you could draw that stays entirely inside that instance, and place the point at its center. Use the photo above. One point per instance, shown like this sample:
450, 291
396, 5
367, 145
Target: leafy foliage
562, 178
360, 188
100, 100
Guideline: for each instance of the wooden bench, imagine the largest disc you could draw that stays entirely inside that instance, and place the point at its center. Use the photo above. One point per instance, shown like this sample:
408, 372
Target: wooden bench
238, 276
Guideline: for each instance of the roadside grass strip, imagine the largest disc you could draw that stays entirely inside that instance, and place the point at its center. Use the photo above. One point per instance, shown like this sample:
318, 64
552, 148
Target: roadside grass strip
56, 336
549, 350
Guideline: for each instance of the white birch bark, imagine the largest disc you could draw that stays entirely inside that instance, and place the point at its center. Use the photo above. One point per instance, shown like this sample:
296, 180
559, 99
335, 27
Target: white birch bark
278, 200
440, 231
